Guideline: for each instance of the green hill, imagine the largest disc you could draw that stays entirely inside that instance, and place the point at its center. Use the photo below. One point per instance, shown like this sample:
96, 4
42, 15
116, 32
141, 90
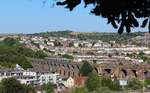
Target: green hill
12, 53
106, 37
65, 33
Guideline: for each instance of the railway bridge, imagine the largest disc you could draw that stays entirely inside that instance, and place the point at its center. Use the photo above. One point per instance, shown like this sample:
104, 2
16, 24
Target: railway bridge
118, 69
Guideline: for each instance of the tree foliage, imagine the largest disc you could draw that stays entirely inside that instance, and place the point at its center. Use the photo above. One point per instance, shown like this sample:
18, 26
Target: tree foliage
48, 88
79, 90
93, 82
112, 85
9, 57
86, 69
28, 88
103, 90
54, 33
120, 13
10, 41
97, 83
57, 43
11, 85
15, 53
40, 54
135, 84
106, 37
67, 56
147, 82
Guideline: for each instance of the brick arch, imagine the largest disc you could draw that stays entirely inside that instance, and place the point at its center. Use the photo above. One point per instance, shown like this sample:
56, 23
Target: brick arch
96, 69
107, 70
63, 65
73, 67
134, 73
125, 72
78, 67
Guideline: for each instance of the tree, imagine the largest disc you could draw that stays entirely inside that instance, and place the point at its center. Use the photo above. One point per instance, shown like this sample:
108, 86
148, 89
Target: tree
147, 82
57, 43
67, 56
118, 12
48, 88
40, 54
10, 41
86, 69
71, 44
93, 82
112, 85
109, 55
103, 90
10, 56
135, 84
11, 85
115, 86
80, 90
28, 88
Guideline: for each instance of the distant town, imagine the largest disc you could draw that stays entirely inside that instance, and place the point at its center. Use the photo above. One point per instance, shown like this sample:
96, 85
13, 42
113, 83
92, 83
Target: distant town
69, 61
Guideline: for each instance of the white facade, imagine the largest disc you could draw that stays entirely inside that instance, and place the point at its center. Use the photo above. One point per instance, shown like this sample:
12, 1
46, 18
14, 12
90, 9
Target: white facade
69, 82
76, 44
50, 43
98, 45
45, 78
25, 77
29, 73
28, 77
27, 80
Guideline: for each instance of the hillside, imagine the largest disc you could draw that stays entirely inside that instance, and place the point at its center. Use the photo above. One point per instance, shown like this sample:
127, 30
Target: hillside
12, 53
92, 35
65, 33
141, 40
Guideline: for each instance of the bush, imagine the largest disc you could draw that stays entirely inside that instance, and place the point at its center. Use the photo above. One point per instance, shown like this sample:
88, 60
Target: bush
103, 90
80, 90
67, 56
93, 82
135, 84
112, 85
147, 82
48, 88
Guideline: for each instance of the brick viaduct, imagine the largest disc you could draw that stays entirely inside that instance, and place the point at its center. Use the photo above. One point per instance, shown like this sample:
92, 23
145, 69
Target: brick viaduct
119, 70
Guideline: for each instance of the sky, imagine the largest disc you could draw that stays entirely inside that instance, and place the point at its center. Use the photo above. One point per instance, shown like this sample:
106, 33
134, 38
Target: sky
32, 16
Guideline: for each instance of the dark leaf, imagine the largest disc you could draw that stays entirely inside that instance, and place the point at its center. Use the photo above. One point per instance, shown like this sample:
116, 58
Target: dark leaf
135, 23
108, 20
96, 10
144, 23
70, 4
116, 10
89, 2
133, 20
114, 24
120, 30
149, 27
128, 29
61, 3
128, 23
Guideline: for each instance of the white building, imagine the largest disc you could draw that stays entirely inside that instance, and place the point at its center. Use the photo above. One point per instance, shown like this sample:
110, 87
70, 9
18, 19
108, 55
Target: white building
68, 82
29, 77
45, 78
76, 44
21, 75
50, 43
